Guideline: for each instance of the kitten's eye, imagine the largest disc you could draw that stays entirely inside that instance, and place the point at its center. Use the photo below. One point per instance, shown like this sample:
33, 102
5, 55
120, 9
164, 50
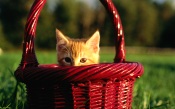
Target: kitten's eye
83, 60
68, 60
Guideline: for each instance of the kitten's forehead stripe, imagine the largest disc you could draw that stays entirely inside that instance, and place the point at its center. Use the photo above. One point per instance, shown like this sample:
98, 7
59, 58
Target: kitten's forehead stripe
76, 48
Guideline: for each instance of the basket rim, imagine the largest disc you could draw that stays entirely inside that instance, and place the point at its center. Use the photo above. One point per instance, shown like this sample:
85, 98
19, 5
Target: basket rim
56, 74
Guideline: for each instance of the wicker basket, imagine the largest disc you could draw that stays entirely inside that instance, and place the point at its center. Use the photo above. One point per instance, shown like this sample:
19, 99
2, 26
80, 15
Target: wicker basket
100, 86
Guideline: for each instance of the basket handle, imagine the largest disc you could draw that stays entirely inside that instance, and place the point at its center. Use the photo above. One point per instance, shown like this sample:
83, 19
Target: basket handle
29, 57
118, 29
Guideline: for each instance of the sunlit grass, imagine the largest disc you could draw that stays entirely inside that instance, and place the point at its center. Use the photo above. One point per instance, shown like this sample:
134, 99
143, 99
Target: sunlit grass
154, 90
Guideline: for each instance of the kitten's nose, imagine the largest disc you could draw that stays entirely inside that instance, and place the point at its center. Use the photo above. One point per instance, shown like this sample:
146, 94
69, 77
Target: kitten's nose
75, 63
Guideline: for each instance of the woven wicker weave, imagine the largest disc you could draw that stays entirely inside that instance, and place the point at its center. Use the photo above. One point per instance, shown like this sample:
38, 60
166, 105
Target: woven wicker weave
100, 86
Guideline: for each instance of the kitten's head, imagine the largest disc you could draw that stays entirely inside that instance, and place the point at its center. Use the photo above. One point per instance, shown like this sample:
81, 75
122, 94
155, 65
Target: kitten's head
77, 52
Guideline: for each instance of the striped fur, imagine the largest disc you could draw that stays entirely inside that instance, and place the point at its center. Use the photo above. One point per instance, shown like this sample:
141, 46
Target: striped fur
77, 52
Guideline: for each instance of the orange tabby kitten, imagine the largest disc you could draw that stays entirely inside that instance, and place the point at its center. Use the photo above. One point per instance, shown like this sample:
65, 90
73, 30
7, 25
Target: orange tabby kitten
77, 52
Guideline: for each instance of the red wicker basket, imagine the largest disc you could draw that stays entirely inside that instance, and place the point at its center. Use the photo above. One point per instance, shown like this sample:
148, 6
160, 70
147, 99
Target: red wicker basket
100, 86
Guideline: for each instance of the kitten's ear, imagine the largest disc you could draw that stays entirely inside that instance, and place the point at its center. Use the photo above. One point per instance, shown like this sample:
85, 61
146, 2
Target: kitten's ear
61, 39
94, 41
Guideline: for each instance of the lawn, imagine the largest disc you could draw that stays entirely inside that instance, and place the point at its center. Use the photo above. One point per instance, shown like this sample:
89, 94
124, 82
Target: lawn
154, 90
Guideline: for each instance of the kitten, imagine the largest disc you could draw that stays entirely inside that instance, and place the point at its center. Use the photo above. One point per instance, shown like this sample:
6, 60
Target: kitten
77, 52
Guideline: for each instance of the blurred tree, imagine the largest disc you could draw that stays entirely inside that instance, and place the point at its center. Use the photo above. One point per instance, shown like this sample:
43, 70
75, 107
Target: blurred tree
128, 12
76, 20
46, 29
168, 34
13, 15
139, 18
104, 24
4, 44
167, 21
146, 25
66, 16
86, 19
145, 22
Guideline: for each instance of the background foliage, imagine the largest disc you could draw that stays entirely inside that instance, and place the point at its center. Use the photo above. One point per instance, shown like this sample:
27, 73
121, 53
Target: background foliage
146, 22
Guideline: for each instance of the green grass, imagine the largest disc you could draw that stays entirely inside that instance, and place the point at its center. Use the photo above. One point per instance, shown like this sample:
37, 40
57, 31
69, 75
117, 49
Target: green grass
154, 90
